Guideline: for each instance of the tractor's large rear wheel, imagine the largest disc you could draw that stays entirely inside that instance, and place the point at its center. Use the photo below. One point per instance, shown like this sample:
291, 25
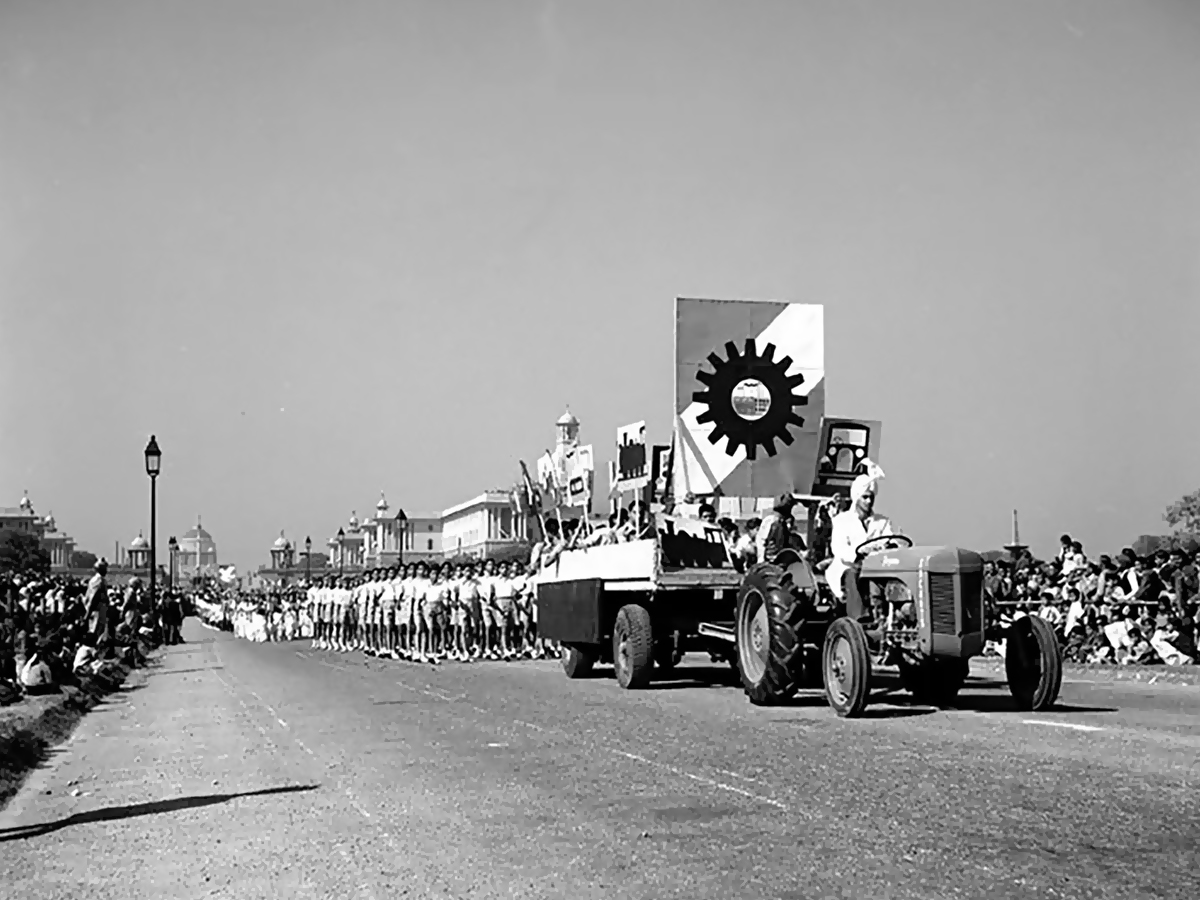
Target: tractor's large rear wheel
935, 681
633, 647
846, 661
578, 659
769, 624
1033, 663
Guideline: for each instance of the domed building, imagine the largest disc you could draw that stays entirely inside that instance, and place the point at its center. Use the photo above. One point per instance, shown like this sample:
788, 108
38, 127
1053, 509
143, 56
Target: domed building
567, 427
22, 518
384, 536
347, 552
283, 555
139, 553
196, 555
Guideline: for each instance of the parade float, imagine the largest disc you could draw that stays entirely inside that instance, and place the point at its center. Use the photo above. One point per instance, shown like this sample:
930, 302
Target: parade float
749, 426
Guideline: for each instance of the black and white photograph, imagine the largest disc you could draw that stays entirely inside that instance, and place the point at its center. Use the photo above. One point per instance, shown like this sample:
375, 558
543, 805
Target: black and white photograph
615, 449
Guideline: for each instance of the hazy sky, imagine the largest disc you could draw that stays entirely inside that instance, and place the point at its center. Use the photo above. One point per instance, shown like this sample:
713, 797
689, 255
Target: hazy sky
327, 249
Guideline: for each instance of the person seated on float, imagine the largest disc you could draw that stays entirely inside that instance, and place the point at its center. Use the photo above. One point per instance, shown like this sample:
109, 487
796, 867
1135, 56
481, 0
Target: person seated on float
546, 551
606, 533
634, 524
708, 513
746, 548
729, 532
777, 531
850, 529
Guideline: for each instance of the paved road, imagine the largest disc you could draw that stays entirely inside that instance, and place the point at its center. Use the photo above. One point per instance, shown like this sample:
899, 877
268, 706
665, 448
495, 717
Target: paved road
256, 770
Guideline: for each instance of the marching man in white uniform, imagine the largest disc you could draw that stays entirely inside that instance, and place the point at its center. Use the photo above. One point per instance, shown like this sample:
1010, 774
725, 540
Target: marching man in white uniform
850, 528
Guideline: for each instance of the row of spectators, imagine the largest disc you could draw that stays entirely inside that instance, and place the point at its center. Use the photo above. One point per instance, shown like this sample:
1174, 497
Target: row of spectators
1127, 610
59, 630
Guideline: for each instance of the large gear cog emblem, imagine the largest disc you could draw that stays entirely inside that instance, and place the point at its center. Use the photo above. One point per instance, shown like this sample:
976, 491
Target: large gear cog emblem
750, 399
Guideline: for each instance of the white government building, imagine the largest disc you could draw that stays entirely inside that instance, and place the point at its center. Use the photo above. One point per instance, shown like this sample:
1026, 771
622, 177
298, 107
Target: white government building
487, 524
479, 528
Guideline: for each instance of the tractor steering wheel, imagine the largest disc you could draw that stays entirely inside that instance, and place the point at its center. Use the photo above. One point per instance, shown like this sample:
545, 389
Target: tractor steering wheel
889, 542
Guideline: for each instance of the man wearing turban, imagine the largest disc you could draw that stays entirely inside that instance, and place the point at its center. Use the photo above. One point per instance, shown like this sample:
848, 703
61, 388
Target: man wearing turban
850, 528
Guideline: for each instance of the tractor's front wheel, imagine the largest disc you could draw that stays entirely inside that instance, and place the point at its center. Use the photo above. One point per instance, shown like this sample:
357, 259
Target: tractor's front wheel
846, 661
1033, 663
769, 622
633, 647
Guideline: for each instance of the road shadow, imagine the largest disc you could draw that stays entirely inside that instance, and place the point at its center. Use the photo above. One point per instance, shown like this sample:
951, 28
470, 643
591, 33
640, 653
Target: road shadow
392, 702
188, 671
114, 813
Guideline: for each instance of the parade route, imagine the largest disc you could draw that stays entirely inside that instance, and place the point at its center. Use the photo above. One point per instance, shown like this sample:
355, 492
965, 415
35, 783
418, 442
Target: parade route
271, 770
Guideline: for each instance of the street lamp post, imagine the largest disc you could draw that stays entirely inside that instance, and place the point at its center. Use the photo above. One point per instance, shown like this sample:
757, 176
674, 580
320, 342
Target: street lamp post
401, 525
153, 467
173, 546
341, 541
308, 559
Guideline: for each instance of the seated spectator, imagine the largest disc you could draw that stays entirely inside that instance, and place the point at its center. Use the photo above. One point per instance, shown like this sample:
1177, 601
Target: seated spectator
1139, 650
1165, 643
36, 675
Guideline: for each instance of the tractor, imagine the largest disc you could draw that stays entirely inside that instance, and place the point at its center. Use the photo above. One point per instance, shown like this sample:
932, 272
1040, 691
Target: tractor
926, 616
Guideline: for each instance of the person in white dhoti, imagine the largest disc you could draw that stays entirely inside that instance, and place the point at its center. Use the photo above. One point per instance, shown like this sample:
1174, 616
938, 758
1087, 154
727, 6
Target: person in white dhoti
850, 529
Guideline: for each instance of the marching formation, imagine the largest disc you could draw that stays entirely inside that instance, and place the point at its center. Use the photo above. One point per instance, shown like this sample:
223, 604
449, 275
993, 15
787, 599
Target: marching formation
427, 613
424, 612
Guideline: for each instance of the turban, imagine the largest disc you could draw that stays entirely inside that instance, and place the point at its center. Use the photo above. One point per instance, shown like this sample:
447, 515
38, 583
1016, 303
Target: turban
866, 482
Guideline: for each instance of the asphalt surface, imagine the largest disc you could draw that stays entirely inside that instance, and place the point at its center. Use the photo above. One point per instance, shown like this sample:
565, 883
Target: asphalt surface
272, 770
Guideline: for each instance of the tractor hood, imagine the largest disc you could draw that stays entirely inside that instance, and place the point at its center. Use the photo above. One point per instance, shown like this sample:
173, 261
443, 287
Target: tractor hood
945, 560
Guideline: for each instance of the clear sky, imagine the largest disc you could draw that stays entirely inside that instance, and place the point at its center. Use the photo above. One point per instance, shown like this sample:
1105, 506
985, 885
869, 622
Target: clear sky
327, 249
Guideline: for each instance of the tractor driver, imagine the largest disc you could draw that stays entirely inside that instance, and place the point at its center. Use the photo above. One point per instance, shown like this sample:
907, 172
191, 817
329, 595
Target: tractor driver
850, 528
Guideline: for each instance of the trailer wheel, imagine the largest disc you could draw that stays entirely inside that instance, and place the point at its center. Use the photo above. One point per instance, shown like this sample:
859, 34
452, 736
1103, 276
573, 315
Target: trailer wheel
1033, 663
578, 660
846, 661
935, 681
769, 621
633, 646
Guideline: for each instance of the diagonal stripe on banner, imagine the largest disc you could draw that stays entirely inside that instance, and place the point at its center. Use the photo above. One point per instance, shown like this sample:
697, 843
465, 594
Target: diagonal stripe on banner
696, 456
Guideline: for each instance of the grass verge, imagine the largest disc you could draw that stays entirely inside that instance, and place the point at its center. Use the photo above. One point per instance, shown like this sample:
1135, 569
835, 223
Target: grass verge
32, 727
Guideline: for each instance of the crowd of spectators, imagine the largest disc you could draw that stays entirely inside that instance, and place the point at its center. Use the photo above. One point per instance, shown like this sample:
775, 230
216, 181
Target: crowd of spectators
1131, 610
60, 630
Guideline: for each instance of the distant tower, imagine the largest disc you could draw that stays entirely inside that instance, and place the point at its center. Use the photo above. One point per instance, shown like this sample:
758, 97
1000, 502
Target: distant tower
1015, 547
568, 430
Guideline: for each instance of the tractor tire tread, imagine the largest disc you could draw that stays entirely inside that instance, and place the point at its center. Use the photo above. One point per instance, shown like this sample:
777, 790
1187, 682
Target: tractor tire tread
785, 615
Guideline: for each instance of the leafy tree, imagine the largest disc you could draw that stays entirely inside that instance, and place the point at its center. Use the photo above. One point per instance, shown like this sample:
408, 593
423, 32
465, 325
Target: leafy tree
1184, 514
82, 559
23, 553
